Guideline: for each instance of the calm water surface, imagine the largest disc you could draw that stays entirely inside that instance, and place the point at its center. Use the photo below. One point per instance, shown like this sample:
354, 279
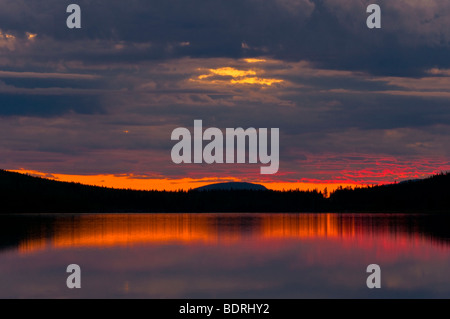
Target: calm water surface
225, 255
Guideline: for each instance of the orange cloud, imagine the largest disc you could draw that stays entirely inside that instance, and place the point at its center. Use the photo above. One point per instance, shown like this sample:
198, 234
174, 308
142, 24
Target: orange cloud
254, 60
238, 76
227, 71
260, 81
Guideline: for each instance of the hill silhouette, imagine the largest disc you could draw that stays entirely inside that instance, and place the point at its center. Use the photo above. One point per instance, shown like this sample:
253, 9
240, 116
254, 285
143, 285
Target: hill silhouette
429, 194
232, 186
27, 194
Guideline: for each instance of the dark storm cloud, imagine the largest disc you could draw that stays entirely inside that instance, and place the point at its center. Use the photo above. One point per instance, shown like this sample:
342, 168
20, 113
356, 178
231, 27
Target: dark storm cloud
48, 105
30, 83
414, 37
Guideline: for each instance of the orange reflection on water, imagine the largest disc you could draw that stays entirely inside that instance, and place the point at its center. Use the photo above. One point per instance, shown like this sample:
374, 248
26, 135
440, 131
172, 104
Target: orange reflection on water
107, 230
307, 226
126, 230
31, 245
129, 229
116, 230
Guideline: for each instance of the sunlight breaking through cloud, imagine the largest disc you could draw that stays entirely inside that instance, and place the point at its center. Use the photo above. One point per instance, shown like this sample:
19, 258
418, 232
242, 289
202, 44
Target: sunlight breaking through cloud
237, 76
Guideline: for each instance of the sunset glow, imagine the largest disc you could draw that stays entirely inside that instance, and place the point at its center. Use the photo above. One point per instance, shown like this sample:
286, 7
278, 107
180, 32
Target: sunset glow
225, 150
142, 183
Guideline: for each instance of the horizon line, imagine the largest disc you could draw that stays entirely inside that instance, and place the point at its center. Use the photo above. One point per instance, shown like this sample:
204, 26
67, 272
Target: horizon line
139, 183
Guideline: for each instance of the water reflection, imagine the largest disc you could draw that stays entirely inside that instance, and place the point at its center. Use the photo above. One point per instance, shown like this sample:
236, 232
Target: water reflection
103, 230
225, 255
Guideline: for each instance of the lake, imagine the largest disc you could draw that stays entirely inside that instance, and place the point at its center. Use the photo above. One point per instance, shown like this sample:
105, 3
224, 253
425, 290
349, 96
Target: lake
225, 255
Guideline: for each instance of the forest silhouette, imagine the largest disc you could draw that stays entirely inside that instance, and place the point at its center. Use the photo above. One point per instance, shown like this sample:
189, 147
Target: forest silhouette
21, 193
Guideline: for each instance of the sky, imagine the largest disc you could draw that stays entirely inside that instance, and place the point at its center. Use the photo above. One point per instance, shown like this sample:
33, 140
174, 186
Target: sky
354, 106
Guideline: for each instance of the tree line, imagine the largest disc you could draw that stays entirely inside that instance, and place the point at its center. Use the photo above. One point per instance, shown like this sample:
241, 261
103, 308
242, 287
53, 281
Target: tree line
27, 194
